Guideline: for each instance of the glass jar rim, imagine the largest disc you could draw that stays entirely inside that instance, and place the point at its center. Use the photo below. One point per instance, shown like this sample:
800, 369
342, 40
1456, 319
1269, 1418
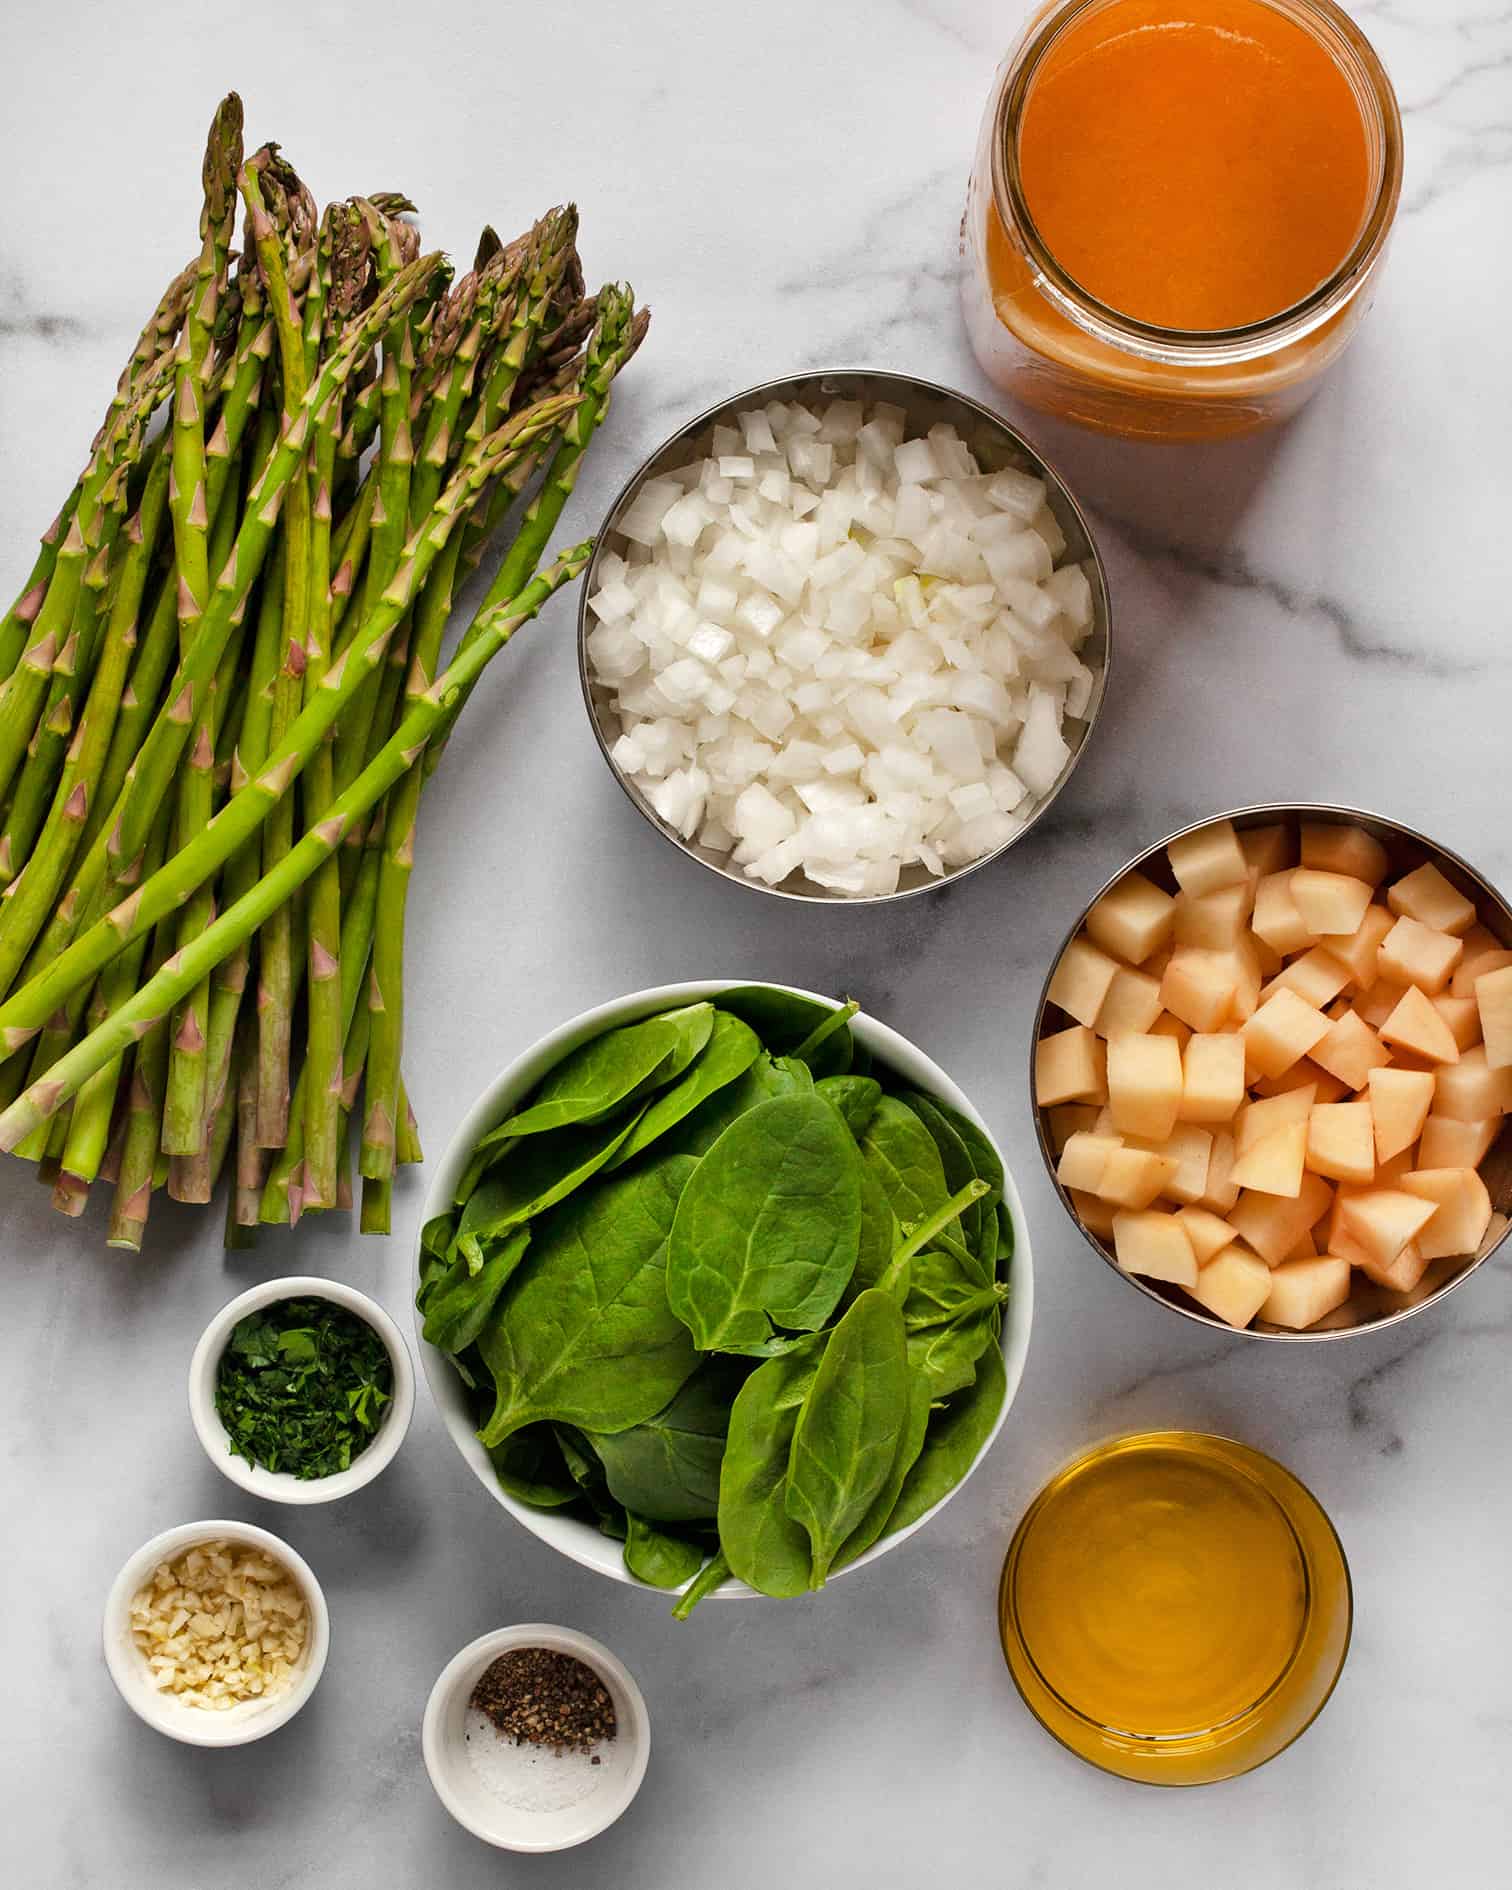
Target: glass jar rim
1362, 65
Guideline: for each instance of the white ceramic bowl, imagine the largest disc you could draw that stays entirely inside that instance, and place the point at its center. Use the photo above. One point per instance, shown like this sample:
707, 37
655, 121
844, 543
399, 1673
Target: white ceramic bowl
194, 1725
580, 1540
277, 1485
523, 1798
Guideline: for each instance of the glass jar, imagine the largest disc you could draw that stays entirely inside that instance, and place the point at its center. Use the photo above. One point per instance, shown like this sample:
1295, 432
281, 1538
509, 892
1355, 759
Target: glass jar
1043, 339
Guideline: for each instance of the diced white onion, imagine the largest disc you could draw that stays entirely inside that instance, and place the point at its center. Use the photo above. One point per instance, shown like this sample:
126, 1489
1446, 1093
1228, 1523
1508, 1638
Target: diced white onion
837, 651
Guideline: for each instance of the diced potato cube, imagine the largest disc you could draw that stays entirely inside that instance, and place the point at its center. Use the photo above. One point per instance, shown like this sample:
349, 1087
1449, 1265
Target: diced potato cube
1399, 1105
1471, 1090
1267, 849
1144, 1085
1377, 1004
1493, 999
1132, 1177
1276, 918
1216, 920
1316, 975
1462, 1015
1463, 1210
1132, 1003
1359, 950
1081, 980
1070, 1066
1273, 1224
1257, 1120
1283, 1029
1338, 847
1399, 1275
1083, 1160
1383, 1220
1303, 1074
1243, 961
1167, 1026
1156, 1246
1222, 1189
1132, 919
1208, 860
1447, 1143
1306, 1246
1415, 954
1274, 1165
1473, 967
1234, 1286
1212, 1085
1304, 1291
1208, 1232
1329, 903
1068, 1119
1341, 1142
1415, 1026
1350, 1051
1190, 1149
1199, 987
1427, 896
1095, 1214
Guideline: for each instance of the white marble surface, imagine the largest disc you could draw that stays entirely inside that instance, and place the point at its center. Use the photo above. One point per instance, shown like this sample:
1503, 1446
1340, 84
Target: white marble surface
1319, 613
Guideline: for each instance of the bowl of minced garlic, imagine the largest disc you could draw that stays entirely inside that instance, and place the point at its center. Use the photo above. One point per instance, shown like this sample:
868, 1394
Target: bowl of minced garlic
216, 1633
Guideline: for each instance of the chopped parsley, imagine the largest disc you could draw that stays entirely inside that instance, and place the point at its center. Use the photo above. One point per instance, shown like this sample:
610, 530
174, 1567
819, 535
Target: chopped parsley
302, 1387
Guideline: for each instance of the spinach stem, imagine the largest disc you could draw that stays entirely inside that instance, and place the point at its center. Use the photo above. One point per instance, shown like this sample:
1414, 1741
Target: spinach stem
924, 1231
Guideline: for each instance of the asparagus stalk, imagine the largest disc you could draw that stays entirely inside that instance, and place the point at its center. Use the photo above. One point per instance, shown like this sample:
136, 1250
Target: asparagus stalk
27, 1010
131, 1021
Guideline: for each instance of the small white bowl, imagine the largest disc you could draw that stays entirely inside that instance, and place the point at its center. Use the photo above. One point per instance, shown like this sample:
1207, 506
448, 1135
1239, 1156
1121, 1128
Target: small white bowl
194, 1725
527, 1798
278, 1486
581, 1541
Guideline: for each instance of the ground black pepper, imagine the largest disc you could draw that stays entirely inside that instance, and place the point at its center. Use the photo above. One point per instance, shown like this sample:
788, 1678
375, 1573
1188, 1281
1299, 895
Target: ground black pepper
536, 1696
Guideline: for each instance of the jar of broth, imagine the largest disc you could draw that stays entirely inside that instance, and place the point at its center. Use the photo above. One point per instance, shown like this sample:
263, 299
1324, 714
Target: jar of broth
1178, 210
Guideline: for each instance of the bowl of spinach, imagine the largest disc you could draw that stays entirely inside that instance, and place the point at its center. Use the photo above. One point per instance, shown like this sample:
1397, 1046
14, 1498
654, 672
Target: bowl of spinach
723, 1288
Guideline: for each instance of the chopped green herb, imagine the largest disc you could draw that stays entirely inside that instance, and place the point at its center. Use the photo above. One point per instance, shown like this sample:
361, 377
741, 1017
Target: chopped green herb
302, 1387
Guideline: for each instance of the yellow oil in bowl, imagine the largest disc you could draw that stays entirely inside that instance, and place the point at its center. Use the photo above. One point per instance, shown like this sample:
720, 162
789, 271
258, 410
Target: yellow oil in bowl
1175, 1607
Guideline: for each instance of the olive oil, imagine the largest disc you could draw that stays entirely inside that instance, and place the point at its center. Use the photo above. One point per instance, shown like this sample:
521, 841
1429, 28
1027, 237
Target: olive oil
1175, 1607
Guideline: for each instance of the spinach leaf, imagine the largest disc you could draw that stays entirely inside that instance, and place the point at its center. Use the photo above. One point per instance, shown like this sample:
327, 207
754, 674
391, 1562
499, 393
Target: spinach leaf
583, 1331
954, 1437
879, 1236
667, 1469
1004, 1240
530, 1466
763, 1545
901, 1153
654, 1556
588, 1474
947, 1355
731, 1050
856, 1097
910, 1443
850, 1428
958, 1166
534, 1173
761, 1081
713, 1573
458, 1305
601, 1075
767, 1230
783, 1020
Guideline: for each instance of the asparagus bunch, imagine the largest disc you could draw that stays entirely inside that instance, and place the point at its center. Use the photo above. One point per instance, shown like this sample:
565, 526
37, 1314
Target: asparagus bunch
224, 684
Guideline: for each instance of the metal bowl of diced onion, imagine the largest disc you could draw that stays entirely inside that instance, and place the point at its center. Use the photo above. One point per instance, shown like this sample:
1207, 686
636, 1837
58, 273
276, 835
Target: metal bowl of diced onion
677, 634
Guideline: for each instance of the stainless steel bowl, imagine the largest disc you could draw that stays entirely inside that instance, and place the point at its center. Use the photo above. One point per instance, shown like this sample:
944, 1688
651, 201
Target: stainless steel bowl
1368, 1307
996, 445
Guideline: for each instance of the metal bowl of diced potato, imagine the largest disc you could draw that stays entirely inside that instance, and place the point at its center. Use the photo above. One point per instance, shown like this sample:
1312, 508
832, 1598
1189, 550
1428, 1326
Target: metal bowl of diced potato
1219, 902
997, 447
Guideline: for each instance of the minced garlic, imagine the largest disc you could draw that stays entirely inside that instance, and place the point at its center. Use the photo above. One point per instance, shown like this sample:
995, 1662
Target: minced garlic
221, 1624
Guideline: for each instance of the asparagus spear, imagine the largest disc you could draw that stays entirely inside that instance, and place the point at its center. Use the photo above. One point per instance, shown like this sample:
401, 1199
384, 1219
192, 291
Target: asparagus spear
132, 1020
28, 1009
